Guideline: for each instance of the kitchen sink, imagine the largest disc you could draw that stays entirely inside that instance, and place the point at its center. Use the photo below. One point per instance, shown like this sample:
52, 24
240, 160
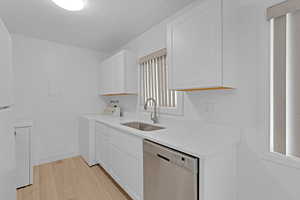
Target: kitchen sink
142, 126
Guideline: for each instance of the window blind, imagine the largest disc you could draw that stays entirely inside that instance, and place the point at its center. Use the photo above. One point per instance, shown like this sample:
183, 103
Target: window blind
154, 80
278, 83
285, 82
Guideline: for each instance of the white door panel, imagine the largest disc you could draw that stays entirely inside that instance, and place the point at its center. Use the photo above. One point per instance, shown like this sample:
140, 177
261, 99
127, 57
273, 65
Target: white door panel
23, 156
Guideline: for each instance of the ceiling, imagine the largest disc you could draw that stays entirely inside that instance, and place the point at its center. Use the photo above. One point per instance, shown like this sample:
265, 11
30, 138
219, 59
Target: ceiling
103, 25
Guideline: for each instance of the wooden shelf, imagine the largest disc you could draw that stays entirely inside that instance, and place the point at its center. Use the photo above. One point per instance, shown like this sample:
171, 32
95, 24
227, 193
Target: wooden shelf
118, 94
204, 89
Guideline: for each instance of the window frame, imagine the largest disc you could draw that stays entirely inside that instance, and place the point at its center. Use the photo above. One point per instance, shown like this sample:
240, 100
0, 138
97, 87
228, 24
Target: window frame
178, 110
270, 155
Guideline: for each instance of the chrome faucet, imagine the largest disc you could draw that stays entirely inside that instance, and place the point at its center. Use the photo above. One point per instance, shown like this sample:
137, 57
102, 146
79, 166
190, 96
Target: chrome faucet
153, 118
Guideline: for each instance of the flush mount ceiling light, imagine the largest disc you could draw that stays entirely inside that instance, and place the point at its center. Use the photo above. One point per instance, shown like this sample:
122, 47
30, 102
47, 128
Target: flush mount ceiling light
71, 5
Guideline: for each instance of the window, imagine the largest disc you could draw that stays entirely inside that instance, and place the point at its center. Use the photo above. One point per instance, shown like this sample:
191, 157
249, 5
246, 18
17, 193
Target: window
154, 83
285, 78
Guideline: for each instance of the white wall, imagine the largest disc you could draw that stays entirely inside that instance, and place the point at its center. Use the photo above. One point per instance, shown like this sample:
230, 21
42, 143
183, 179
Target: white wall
245, 107
148, 42
261, 177
54, 84
7, 140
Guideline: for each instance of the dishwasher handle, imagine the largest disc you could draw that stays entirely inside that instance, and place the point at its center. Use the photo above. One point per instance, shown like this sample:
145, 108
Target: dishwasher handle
163, 157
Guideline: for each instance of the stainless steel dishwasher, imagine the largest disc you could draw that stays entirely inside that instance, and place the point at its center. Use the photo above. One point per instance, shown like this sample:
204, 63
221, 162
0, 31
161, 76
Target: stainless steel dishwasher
169, 174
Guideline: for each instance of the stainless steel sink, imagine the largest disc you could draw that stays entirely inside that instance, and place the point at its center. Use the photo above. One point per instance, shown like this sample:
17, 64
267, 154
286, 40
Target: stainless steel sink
142, 126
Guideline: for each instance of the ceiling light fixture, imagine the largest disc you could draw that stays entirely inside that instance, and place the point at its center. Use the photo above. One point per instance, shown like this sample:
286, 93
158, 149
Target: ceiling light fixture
71, 5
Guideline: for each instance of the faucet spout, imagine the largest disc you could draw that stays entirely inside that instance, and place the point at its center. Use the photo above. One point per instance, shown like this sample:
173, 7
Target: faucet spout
154, 117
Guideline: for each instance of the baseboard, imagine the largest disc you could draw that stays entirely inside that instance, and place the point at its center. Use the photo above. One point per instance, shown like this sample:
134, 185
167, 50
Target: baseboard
56, 158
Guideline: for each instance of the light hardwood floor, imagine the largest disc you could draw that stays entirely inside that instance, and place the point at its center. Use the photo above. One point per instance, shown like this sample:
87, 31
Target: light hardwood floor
71, 179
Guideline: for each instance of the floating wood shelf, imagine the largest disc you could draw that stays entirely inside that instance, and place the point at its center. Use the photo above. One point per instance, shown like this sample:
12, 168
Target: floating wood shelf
118, 94
204, 89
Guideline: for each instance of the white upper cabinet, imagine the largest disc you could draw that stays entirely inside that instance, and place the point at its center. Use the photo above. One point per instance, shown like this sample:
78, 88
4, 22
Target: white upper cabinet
5, 67
119, 74
195, 47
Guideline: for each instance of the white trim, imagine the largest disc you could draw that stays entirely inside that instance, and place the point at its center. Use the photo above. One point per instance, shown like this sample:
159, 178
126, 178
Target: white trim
267, 105
56, 158
31, 155
269, 155
283, 8
178, 111
156, 54
277, 158
271, 88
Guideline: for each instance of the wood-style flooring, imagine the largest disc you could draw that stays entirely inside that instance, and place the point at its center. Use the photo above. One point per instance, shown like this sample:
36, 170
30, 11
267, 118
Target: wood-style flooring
71, 179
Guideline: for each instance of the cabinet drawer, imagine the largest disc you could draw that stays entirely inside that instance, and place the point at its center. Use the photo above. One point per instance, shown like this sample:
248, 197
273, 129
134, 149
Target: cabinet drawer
127, 143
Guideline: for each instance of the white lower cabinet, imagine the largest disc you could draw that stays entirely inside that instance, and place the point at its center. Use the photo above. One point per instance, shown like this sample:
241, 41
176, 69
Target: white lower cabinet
102, 145
124, 169
120, 154
115, 159
87, 140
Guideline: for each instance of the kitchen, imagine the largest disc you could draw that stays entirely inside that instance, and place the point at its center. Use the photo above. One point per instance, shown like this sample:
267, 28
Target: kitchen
71, 67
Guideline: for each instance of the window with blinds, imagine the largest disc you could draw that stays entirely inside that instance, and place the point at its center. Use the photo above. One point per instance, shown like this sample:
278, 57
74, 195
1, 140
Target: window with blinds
284, 78
154, 80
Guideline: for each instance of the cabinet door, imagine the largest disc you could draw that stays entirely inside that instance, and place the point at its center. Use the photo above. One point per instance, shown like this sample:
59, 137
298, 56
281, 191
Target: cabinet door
102, 150
130, 175
99, 148
126, 162
118, 73
125, 170
102, 145
23, 156
195, 47
115, 157
112, 75
84, 138
106, 83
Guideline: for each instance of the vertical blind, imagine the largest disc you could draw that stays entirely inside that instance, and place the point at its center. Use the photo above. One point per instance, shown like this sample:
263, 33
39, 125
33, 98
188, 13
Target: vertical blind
154, 80
285, 81
278, 84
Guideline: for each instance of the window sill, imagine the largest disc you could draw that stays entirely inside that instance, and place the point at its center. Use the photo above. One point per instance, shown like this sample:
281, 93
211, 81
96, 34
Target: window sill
288, 161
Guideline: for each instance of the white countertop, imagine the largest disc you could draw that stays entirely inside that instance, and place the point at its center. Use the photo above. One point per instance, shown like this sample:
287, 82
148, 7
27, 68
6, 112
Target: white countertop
192, 137
23, 123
